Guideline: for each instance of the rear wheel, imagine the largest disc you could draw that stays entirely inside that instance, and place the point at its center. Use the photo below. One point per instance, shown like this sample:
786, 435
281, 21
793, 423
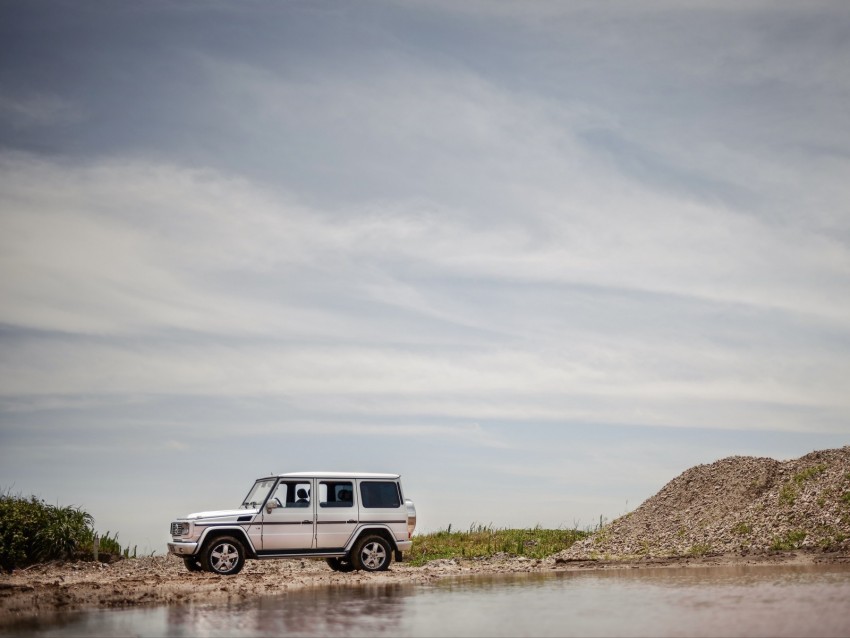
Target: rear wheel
224, 555
340, 564
193, 564
371, 554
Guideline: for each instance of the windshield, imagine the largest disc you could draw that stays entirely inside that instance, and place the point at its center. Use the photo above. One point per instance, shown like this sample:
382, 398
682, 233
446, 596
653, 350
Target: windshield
258, 494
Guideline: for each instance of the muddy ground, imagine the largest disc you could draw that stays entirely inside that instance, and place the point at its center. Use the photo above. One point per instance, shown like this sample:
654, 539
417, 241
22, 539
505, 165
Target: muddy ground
44, 590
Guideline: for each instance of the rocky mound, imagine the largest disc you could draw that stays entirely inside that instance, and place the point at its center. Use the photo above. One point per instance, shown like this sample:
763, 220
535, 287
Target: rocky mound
736, 505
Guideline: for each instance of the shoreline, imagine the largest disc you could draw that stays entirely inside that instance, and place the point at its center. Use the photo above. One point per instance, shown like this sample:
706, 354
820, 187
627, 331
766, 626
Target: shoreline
43, 591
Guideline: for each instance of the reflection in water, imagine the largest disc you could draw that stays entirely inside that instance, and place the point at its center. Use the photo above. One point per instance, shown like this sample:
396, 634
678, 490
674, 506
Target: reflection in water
721, 601
335, 611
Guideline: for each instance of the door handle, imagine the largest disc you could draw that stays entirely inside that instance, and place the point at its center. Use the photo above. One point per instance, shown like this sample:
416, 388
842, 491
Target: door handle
307, 522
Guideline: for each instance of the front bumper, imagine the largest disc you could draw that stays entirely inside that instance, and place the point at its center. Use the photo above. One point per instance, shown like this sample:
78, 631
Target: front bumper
183, 548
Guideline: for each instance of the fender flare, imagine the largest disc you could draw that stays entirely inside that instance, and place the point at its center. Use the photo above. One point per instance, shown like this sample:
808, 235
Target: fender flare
365, 528
230, 529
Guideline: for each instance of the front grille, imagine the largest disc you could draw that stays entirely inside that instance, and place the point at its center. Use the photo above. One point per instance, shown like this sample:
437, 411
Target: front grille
179, 529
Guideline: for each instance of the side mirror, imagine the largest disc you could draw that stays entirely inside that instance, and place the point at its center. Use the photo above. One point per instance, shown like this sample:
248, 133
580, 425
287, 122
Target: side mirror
271, 505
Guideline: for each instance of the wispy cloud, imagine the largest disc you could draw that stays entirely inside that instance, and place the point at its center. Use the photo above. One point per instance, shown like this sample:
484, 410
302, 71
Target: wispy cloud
191, 282
24, 111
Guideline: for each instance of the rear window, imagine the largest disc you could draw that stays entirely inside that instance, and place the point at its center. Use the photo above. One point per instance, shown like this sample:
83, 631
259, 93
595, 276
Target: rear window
380, 494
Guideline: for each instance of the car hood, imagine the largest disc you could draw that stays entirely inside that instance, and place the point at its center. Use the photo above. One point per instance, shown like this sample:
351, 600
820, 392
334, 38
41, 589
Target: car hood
222, 514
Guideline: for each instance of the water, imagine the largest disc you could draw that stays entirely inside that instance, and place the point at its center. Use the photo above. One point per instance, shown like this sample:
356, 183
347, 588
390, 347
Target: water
717, 601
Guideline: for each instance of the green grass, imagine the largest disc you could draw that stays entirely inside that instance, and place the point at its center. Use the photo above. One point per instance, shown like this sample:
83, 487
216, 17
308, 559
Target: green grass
808, 473
109, 545
788, 494
485, 540
34, 531
700, 549
792, 540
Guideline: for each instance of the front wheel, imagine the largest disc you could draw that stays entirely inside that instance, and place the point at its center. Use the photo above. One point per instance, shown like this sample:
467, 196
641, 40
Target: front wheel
371, 554
224, 555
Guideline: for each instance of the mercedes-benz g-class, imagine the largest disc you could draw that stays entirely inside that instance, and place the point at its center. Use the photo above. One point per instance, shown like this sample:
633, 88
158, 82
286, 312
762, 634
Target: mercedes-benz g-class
353, 520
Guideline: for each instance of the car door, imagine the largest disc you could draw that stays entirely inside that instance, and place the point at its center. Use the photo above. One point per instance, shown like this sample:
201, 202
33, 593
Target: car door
288, 519
336, 516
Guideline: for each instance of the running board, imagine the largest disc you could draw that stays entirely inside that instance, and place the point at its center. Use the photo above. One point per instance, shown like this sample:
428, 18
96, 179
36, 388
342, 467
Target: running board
328, 553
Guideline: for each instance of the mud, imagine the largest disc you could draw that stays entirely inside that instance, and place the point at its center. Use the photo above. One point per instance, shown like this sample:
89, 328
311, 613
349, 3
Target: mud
44, 590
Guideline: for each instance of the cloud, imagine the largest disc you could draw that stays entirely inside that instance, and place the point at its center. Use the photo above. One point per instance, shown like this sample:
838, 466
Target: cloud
131, 278
28, 110
471, 434
456, 174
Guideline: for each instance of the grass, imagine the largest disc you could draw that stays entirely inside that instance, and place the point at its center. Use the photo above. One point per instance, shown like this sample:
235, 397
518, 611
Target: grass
809, 472
788, 494
792, 540
700, 549
791, 490
34, 531
484, 540
112, 546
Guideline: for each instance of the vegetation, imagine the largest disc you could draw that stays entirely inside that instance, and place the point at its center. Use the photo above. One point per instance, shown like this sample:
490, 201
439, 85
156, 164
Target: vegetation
485, 540
792, 540
788, 494
700, 549
34, 531
743, 529
111, 546
808, 473
791, 490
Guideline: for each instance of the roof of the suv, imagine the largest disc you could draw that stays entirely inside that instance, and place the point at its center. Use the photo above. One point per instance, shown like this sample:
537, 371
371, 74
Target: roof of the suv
337, 475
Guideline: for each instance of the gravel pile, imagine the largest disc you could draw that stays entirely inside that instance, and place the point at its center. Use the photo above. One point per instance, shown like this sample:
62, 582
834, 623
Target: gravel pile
740, 505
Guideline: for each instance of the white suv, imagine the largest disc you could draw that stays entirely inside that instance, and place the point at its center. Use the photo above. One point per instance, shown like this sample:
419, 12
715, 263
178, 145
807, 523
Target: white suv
353, 520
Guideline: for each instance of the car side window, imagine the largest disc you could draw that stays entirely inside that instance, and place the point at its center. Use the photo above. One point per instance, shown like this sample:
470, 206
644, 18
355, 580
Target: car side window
292, 494
336, 494
380, 495
279, 495
302, 495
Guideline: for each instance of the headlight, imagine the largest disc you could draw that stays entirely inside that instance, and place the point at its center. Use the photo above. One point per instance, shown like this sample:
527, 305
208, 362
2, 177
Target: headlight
179, 529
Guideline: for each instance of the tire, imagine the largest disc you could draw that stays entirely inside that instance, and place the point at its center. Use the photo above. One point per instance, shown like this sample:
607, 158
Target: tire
224, 555
371, 554
193, 564
340, 565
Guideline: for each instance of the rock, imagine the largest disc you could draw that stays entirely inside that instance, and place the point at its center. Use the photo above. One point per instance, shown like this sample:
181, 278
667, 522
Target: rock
738, 504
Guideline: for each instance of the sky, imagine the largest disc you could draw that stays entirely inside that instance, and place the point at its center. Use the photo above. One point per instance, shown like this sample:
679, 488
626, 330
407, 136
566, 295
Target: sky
537, 257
